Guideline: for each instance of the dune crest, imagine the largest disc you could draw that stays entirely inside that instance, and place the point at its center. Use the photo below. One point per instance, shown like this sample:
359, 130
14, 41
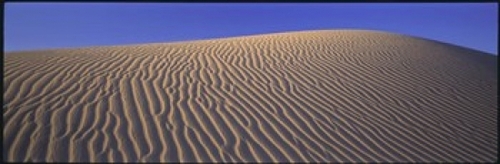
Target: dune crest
326, 95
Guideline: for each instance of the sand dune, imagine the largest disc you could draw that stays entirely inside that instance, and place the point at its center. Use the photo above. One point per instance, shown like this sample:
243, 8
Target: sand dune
326, 95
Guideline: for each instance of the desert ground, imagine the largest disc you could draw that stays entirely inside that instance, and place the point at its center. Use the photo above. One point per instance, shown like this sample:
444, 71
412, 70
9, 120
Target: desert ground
317, 96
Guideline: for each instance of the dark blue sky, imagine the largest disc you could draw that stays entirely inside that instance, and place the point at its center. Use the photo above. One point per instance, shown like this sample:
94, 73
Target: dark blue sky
30, 26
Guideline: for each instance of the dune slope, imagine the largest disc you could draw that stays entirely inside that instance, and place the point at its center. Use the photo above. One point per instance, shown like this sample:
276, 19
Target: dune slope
326, 95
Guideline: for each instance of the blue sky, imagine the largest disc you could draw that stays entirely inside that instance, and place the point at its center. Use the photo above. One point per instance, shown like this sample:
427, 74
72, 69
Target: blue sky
31, 26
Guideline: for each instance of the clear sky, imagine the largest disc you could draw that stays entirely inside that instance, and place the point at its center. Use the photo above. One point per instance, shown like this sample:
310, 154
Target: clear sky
31, 26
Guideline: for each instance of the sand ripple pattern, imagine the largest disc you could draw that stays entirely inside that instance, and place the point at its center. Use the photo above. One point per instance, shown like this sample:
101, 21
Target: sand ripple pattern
326, 96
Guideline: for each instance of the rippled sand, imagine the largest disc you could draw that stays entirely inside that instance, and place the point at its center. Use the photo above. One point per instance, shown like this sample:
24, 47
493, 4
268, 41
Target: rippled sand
325, 96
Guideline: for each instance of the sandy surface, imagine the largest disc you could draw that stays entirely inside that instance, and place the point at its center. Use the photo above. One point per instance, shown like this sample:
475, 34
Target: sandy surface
338, 95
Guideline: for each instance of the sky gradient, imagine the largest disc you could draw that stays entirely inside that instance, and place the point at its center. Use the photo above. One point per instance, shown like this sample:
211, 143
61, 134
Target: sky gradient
33, 26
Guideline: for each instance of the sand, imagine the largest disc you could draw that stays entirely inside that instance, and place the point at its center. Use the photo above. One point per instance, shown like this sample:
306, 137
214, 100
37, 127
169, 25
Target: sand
324, 96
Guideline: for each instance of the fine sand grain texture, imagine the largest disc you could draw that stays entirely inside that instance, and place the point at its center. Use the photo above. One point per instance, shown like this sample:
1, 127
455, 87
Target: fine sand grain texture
325, 95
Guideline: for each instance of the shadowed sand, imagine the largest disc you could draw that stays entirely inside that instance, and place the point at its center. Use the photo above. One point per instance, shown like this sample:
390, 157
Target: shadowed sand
326, 95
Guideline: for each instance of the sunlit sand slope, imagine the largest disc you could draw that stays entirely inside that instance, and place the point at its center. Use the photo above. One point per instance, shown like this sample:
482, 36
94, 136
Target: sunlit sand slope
326, 95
